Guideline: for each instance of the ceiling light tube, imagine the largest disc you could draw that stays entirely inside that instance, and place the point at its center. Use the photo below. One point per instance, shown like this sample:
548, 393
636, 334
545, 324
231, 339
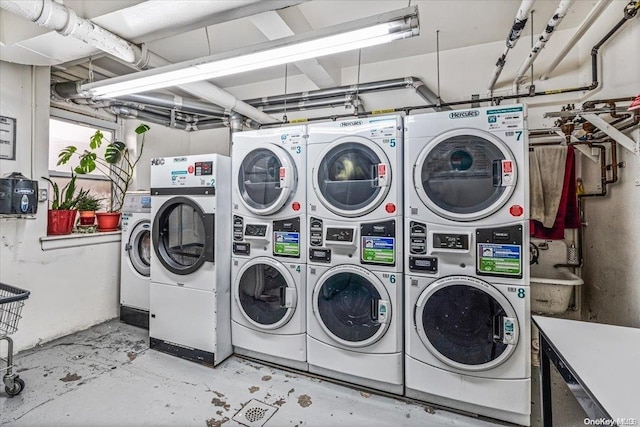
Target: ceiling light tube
354, 35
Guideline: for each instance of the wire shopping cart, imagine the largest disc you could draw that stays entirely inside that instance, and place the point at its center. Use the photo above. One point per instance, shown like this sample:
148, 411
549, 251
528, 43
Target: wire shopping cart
11, 303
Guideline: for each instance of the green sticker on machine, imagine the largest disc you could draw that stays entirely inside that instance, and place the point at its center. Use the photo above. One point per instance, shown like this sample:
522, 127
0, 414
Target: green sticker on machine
380, 250
502, 259
286, 243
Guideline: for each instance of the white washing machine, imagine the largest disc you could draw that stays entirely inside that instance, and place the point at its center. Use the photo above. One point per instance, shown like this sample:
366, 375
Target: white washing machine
268, 310
467, 166
467, 319
191, 266
135, 259
269, 200
355, 327
355, 168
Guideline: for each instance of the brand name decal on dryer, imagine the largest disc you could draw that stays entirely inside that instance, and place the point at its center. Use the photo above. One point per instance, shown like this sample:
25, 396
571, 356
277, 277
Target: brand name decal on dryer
464, 114
179, 159
157, 161
351, 123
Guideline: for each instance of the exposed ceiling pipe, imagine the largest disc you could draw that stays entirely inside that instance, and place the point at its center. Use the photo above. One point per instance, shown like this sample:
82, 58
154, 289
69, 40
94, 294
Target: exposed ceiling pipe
392, 84
514, 34
553, 23
165, 120
586, 24
174, 102
64, 20
336, 101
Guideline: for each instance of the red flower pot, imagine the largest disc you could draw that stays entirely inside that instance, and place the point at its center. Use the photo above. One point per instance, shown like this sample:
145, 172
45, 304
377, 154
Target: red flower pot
87, 217
60, 222
108, 221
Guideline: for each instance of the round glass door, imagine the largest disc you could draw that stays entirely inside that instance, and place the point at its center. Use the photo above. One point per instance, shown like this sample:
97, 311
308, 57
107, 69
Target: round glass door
352, 177
347, 304
266, 293
180, 237
266, 179
458, 175
139, 248
459, 320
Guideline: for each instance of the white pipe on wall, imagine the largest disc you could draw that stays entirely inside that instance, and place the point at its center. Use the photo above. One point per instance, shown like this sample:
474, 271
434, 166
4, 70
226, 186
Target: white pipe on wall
555, 20
55, 16
586, 24
514, 34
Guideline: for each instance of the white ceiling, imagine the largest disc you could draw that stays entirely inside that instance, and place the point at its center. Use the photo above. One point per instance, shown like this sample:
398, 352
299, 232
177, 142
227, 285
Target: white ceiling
186, 29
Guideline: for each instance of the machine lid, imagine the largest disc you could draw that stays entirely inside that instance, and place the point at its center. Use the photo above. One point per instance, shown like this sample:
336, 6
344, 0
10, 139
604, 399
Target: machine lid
465, 174
352, 176
352, 306
183, 235
266, 293
266, 179
139, 247
466, 323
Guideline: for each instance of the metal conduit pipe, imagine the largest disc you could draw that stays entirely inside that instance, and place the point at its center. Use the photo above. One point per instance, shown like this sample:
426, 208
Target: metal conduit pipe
65, 21
332, 102
514, 35
173, 102
553, 23
586, 24
164, 120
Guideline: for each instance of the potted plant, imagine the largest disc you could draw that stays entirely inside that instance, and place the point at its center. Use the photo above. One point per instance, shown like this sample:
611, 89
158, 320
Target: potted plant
62, 214
87, 206
117, 164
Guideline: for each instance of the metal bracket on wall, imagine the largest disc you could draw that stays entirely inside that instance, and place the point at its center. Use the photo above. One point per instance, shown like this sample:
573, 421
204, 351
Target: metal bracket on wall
611, 131
584, 149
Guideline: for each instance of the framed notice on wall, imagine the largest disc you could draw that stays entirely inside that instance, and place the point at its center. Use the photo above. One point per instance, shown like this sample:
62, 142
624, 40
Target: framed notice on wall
7, 138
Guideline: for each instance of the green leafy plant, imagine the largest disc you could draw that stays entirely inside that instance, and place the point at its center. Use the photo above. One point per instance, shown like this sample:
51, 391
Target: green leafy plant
117, 163
65, 198
88, 202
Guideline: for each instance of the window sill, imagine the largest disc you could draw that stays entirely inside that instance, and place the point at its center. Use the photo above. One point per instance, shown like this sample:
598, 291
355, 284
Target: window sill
73, 240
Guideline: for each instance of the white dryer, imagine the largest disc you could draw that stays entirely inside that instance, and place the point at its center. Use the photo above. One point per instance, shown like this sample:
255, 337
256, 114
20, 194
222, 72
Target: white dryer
191, 265
269, 200
355, 327
467, 166
268, 310
135, 259
467, 345
355, 168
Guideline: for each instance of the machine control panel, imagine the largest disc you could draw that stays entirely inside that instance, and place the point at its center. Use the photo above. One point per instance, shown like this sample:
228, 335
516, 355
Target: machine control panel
427, 264
241, 248
286, 237
238, 226
458, 242
418, 238
315, 232
378, 243
342, 235
499, 252
319, 255
203, 168
255, 230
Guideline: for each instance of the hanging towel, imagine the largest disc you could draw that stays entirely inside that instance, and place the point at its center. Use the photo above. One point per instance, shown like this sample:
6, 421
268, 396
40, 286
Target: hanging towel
567, 215
546, 179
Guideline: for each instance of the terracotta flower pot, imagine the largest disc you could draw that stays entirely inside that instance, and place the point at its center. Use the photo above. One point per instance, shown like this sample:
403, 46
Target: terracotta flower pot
108, 221
60, 221
87, 217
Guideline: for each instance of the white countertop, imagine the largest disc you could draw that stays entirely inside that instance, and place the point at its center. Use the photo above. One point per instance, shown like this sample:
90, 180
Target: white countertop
605, 357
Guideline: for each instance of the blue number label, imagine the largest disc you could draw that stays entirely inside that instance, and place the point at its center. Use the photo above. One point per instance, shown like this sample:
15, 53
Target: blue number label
392, 278
518, 135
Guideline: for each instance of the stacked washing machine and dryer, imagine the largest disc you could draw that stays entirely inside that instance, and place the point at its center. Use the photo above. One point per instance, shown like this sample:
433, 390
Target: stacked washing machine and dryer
354, 211
268, 273
467, 298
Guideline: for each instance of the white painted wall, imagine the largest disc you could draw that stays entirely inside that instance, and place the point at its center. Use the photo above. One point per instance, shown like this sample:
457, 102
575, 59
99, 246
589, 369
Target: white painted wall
71, 289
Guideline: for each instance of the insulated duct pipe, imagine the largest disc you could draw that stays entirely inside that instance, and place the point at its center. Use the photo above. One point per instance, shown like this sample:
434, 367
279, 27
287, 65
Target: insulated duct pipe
164, 120
392, 84
586, 24
555, 20
514, 34
336, 101
64, 20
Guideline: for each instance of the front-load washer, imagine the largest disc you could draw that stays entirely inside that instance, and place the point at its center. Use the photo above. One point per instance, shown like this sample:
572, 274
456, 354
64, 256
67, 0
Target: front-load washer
269, 195
268, 310
467, 345
190, 305
355, 327
355, 168
135, 259
467, 166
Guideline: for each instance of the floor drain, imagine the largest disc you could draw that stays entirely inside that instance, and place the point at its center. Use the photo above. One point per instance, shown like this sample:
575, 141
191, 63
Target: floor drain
255, 413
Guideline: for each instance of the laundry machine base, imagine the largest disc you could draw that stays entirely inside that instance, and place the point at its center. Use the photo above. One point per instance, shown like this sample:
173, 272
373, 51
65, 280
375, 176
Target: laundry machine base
134, 316
507, 400
288, 350
377, 371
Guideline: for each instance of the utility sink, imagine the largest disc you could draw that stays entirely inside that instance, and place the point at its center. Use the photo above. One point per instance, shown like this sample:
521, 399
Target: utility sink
551, 288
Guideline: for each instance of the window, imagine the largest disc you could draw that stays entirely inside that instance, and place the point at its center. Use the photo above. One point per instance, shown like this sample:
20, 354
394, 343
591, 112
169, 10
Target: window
71, 129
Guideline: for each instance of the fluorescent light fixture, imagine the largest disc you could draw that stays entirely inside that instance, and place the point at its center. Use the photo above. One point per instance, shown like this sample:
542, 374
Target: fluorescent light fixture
353, 35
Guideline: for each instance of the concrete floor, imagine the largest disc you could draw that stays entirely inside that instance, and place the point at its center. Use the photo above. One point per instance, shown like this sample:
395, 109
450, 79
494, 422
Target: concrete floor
107, 376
